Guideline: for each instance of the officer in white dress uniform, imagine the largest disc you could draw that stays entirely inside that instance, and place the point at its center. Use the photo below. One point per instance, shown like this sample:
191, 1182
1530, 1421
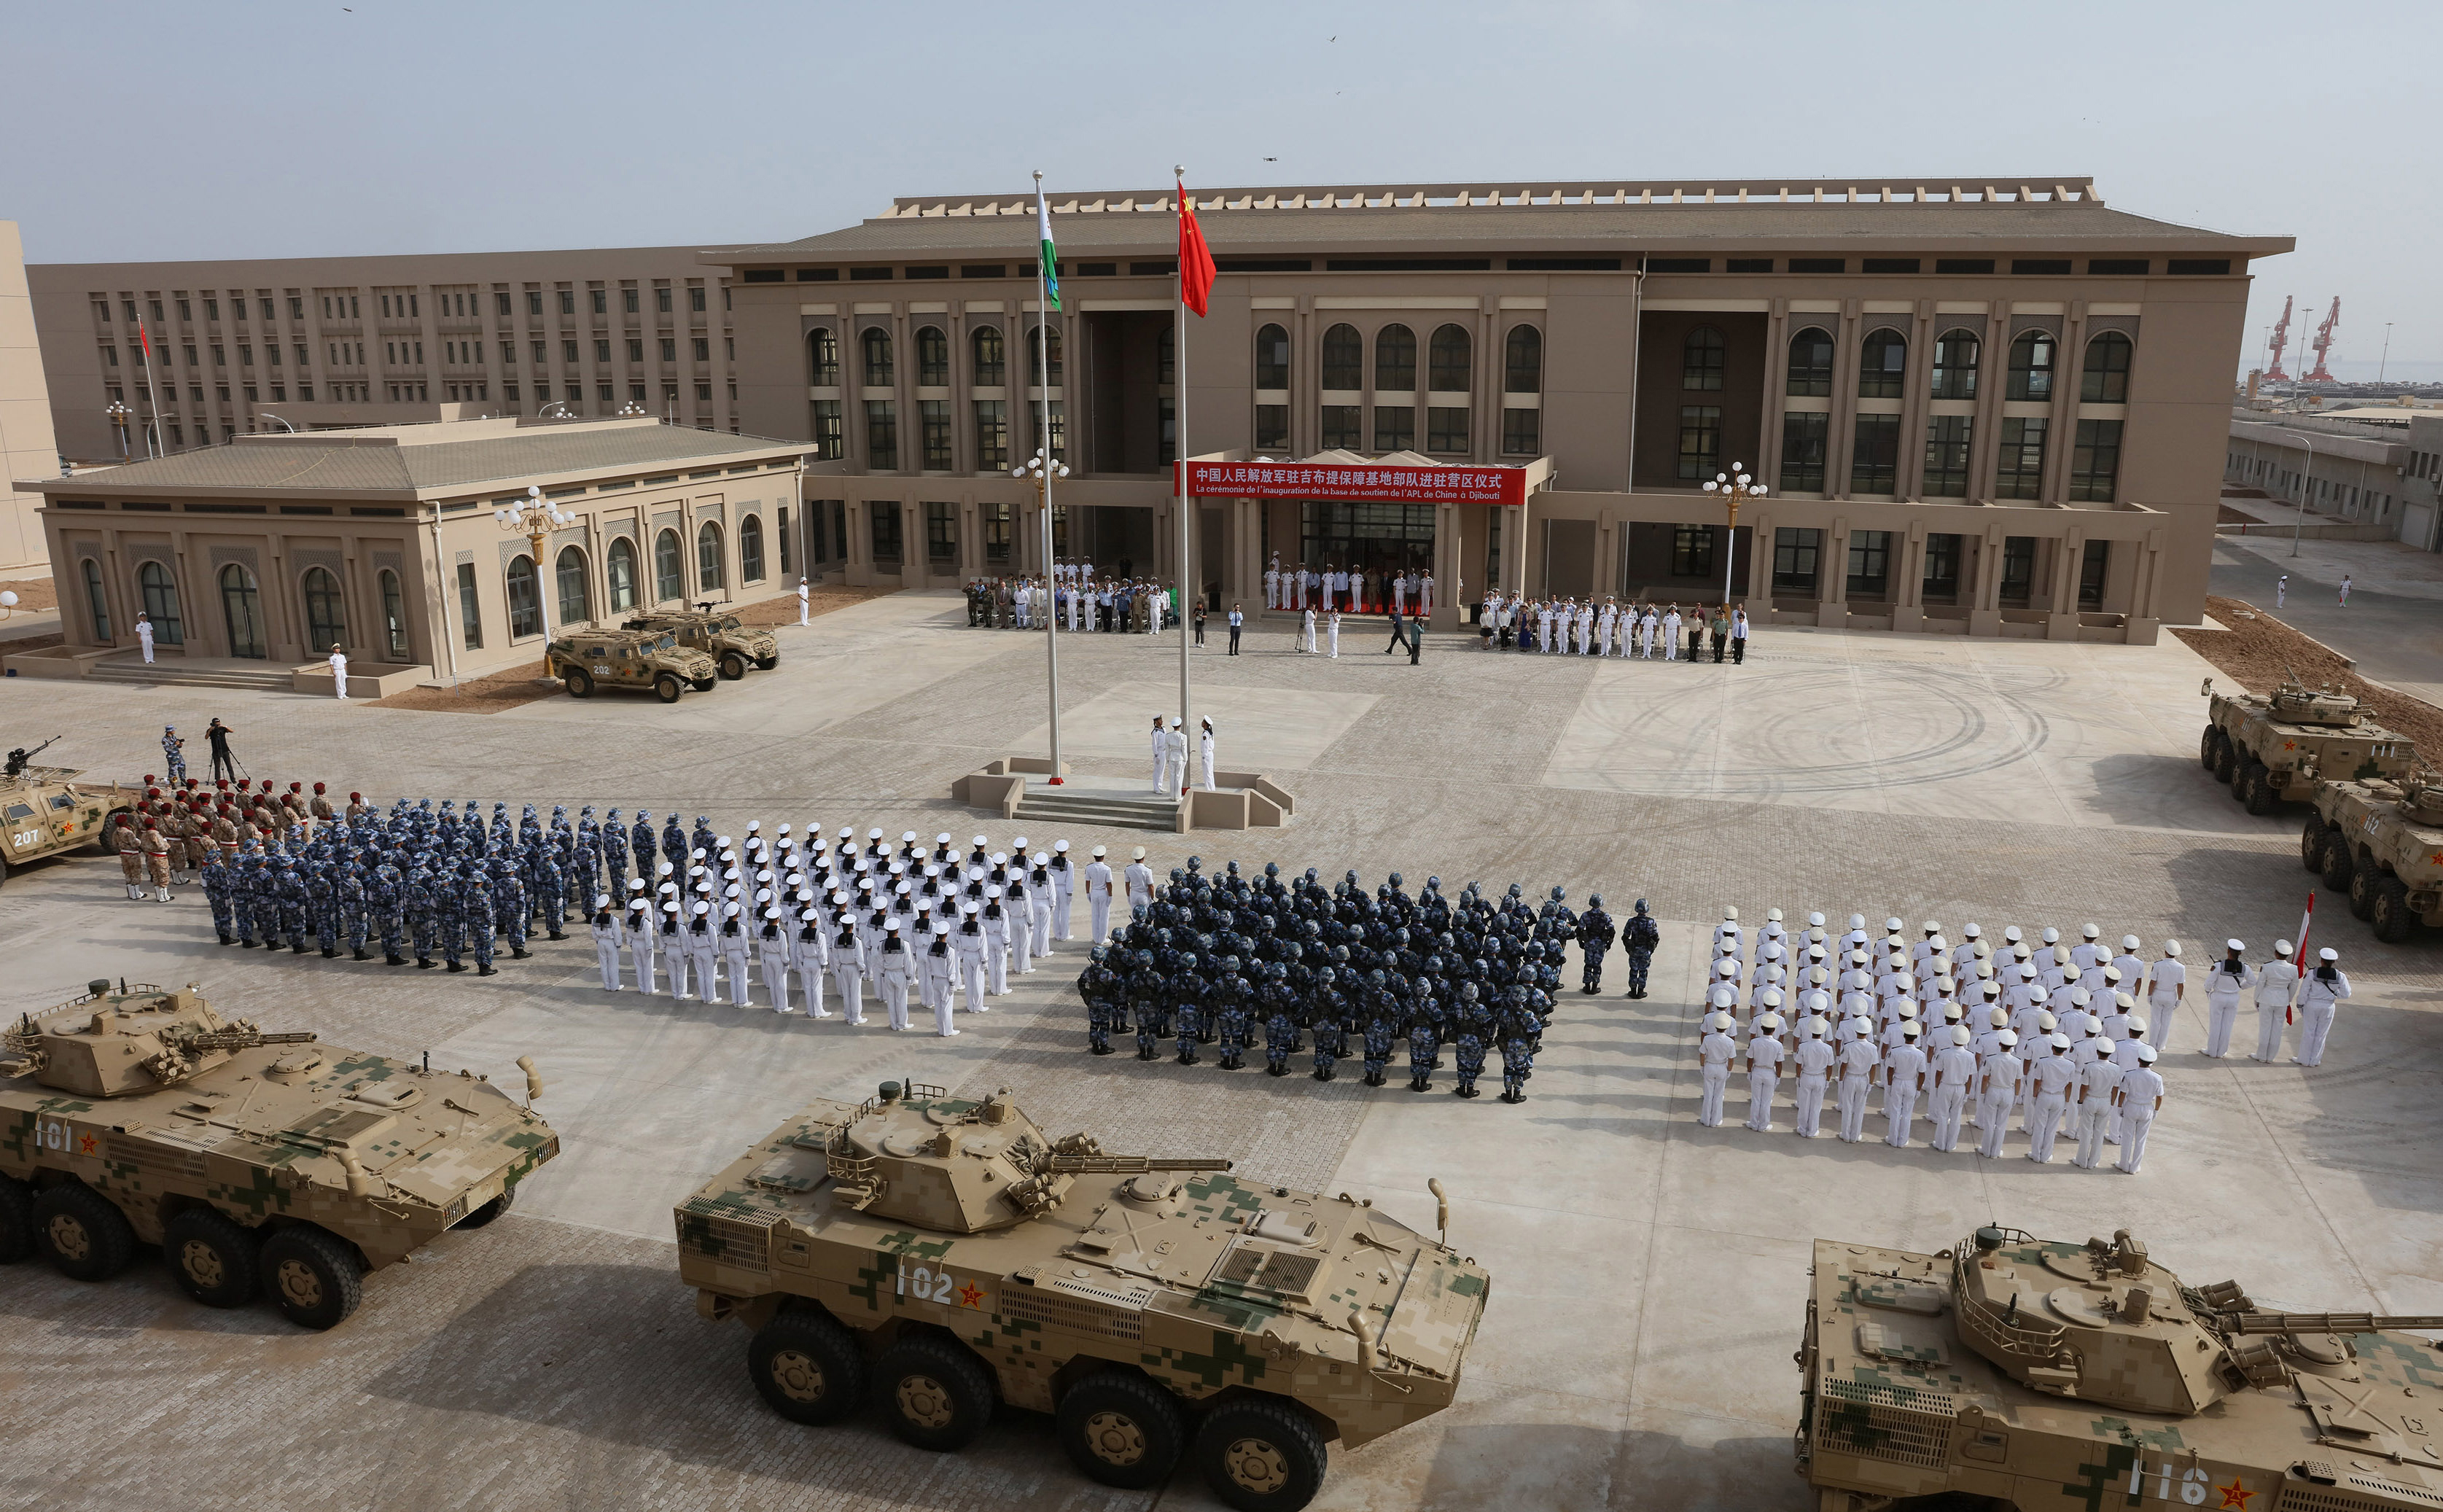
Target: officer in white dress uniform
1714, 1053
1138, 880
1099, 898
1954, 1073
1814, 1057
1903, 1079
2098, 1096
2050, 1077
2231, 978
1859, 1059
2319, 992
1765, 1056
2141, 1095
1161, 756
1996, 1089
2276, 980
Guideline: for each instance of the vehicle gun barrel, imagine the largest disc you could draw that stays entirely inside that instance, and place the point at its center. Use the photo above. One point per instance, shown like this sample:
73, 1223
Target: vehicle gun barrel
241, 1040
2327, 1322
18, 758
1126, 1165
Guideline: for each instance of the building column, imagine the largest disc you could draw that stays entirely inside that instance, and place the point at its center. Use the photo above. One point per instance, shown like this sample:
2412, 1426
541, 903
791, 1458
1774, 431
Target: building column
1843, 427
1777, 390
1759, 559
1917, 401
1985, 433
1908, 605
2069, 369
1984, 612
2061, 622
1832, 575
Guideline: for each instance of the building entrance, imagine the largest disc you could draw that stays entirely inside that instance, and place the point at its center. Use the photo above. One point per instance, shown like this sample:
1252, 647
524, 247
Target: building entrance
1373, 542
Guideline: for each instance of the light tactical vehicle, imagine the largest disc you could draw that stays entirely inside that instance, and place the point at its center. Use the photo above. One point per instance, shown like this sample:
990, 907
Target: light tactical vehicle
941, 1256
628, 658
258, 1162
2277, 750
2017, 1374
48, 811
723, 638
2381, 841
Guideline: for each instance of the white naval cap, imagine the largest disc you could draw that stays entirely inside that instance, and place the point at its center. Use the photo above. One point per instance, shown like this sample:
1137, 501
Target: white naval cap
1729, 916
2050, 936
2145, 1055
2328, 954
2080, 997
1908, 1029
2234, 945
943, 839
992, 891
2123, 1001
2281, 947
1933, 928
1816, 1026
1971, 931
1959, 1034
1140, 853
874, 834
1892, 926
1862, 1027
1768, 1022
2011, 934
1773, 916
1815, 921
1857, 921
1061, 846
1724, 997
601, 900
1718, 1022
2005, 1039
979, 842
906, 835
1097, 851
2129, 942
2059, 1042
704, 908
2089, 930
1769, 997
1998, 1018
2171, 948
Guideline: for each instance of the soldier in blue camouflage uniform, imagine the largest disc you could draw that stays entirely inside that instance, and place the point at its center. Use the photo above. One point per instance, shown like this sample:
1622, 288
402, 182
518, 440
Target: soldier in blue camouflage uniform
385, 902
585, 860
1423, 1043
1097, 986
1473, 1024
1331, 1023
1518, 1032
424, 911
1145, 988
321, 884
1280, 1021
350, 889
450, 899
1230, 992
1639, 937
1378, 1024
292, 896
218, 884
1595, 934
551, 891
481, 903
1187, 997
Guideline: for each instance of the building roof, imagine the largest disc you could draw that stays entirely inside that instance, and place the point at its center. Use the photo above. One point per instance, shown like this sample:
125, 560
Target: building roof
1560, 219
422, 458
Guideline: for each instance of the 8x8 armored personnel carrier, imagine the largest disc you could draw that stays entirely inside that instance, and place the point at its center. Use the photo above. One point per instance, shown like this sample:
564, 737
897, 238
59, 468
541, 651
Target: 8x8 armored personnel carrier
2278, 750
2017, 1374
2382, 843
256, 1161
942, 1256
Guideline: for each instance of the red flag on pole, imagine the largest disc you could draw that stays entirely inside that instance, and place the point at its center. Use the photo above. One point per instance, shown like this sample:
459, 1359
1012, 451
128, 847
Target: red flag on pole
2307, 921
1195, 258
144, 338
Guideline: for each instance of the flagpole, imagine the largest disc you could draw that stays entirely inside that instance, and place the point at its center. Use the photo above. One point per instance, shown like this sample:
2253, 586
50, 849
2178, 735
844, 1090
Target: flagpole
153, 430
1044, 484
1179, 458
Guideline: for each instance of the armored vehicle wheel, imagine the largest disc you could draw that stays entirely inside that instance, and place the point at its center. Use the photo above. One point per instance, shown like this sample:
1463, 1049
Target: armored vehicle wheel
936, 1393
2226, 764
506, 1200
667, 687
807, 1368
703, 685
81, 1233
211, 1258
2339, 863
1121, 1429
2311, 843
767, 663
1261, 1455
579, 681
100, 844
2395, 922
3, 870
16, 1221
2206, 745
733, 665
2364, 882
312, 1277
2258, 793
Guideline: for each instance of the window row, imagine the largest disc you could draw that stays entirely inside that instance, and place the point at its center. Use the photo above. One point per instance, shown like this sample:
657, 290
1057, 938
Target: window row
241, 603
1875, 452
1797, 568
1449, 359
1393, 428
1883, 365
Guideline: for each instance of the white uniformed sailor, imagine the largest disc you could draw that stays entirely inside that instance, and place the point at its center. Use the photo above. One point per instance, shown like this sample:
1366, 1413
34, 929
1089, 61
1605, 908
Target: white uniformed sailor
2319, 990
2276, 980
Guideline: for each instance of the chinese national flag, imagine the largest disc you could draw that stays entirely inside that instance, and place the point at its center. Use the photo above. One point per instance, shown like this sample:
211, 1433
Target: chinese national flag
1195, 258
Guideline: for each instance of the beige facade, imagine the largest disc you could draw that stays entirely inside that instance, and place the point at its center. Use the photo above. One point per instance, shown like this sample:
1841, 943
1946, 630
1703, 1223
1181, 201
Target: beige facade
1994, 409
374, 341
382, 540
28, 447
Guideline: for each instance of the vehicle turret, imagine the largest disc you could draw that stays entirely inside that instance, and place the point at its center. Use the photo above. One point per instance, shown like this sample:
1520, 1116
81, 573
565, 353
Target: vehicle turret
2296, 703
2101, 1324
137, 1040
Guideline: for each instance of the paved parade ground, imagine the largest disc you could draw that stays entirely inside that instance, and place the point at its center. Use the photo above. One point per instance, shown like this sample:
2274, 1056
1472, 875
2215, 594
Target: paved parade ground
1649, 1275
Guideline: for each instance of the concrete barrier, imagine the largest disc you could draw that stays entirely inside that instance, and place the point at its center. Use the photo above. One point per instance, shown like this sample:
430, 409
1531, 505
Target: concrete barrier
56, 661
372, 680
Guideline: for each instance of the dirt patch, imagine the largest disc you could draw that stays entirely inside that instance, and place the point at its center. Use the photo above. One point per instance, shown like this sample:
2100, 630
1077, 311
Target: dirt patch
2225, 514
26, 643
783, 610
2257, 648
34, 594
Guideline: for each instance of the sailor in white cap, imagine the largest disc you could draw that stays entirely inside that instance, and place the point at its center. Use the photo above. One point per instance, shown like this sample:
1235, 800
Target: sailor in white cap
937, 979
737, 941
1997, 1089
2140, 1095
1773, 933
703, 952
2167, 988
773, 952
1099, 898
640, 933
995, 919
1814, 1056
1904, 1080
895, 968
1205, 743
608, 937
2323, 988
1039, 902
1714, 1053
1859, 1058
1018, 906
1139, 880
967, 944
1064, 881
2276, 980
1953, 1075
1175, 774
2088, 955
1765, 1055
2052, 1074
2096, 1100
1728, 931
809, 955
847, 956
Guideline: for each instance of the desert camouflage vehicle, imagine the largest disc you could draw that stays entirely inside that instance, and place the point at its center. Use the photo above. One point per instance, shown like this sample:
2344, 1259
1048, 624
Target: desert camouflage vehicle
628, 658
723, 638
258, 1162
941, 1256
2017, 1374
2383, 843
48, 811
2272, 751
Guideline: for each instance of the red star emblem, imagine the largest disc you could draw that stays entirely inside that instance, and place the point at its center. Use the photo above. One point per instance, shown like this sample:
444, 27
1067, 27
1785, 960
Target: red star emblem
2235, 1494
2289, 745
2435, 860
972, 1295
85, 1144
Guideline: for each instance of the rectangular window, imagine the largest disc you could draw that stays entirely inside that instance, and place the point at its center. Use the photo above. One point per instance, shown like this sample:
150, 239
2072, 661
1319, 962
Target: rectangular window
1870, 565
884, 516
1395, 428
635, 346
1818, 264
995, 519
1700, 441
661, 301
1342, 425
602, 349
2021, 473
933, 418
1946, 455
695, 300
1692, 551
2094, 462
2094, 565
1056, 420
882, 434
992, 435
1272, 427
941, 535
1875, 457
1942, 582
2039, 266
568, 350
702, 349
1521, 433
670, 349
2018, 571
1889, 265
1445, 428
1166, 421
601, 301
470, 614
1794, 549
1803, 440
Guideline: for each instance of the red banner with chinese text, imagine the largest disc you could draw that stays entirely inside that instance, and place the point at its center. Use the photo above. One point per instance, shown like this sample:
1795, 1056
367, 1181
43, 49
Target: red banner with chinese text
1356, 482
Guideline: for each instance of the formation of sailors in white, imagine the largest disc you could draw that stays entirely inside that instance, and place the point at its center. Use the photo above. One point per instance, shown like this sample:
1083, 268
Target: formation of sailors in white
1646, 631
2063, 1033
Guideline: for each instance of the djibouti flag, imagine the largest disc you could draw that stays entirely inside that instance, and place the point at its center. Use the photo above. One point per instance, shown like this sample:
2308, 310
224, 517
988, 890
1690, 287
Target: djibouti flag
1051, 259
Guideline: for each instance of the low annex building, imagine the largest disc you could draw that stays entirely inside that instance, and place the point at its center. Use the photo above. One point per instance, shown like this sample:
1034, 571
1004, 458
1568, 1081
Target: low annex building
382, 542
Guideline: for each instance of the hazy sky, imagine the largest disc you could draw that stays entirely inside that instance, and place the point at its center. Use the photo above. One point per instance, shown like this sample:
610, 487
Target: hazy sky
143, 131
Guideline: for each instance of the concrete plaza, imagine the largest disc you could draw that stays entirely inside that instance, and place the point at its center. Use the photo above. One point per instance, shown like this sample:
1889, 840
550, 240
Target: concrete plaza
1649, 1274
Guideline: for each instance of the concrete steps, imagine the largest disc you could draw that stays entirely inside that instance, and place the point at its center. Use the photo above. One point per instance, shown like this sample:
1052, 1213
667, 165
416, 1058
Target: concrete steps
1098, 807
166, 671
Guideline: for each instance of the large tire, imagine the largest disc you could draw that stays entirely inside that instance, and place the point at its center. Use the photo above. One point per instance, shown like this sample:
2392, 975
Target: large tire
211, 1258
667, 687
312, 1277
807, 1368
2338, 861
83, 1233
2311, 842
937, 1395
1121, 1429
3, 870
2395, 922
481, 1216
16, 1221
704, 685
2260, 796
733, 665
2364, 882
579, 682
2227, 760
2206, 745
100, 843
767, 663
1261, 1455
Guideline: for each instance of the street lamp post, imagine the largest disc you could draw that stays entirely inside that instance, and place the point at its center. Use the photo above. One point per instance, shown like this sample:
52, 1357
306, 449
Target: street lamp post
267, 414
631, 410
534, 519
2307, 484
1734, 488
118, 412
1042, 469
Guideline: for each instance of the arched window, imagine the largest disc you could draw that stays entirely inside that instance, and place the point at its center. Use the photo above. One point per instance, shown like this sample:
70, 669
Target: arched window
1447, 361
161, 603
99, 605
568, 573
1395, 359
986, 344
1523, 360
326, 618
668, 583
1701, 357
525, 599
932, 358
822, 356
1036, 364
1811, 364
2031, 367
750, 549
2106, 379
1271, 358
622, 565
242, 608
707, 558
1955, 365
1882, 364
1344, 358
394, 608
876, 344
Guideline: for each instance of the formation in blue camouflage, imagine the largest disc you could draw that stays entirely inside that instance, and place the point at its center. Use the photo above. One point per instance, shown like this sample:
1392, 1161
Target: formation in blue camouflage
1218, 960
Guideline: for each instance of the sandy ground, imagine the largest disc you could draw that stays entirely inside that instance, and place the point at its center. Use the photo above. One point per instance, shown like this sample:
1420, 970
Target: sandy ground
2258, 651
